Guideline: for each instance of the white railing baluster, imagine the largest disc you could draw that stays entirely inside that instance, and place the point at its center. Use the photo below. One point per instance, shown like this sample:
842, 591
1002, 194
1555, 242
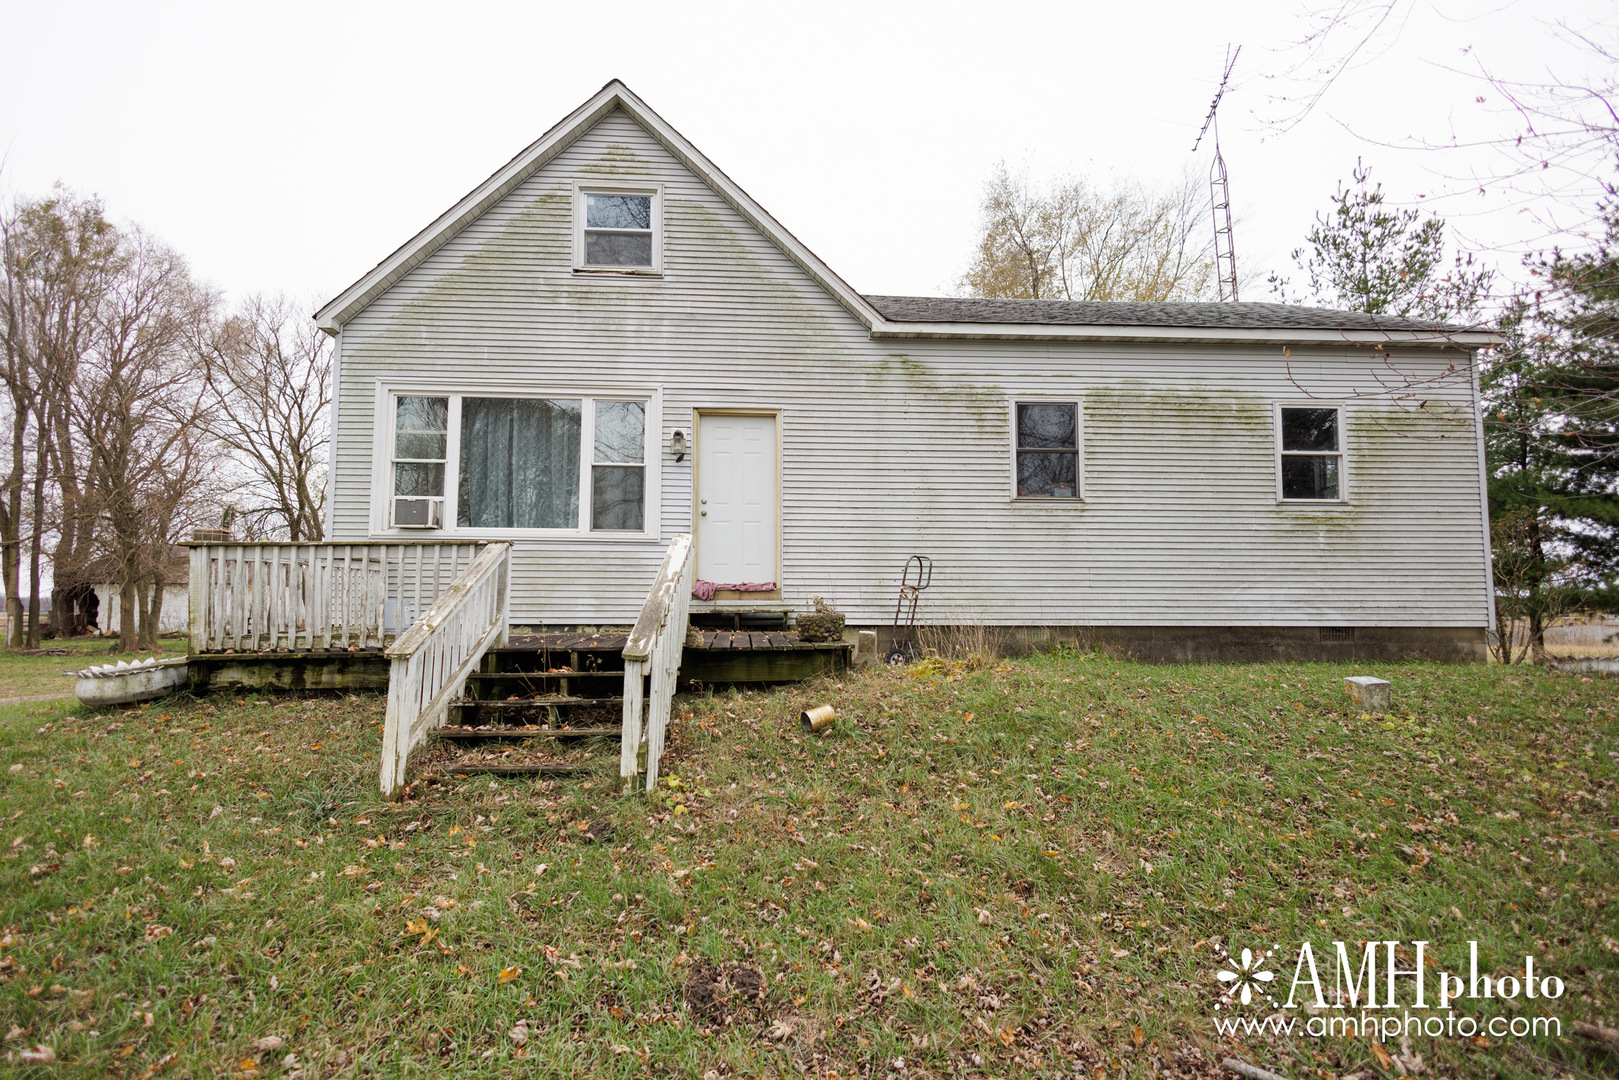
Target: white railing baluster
654, 649
430, 662
296, 597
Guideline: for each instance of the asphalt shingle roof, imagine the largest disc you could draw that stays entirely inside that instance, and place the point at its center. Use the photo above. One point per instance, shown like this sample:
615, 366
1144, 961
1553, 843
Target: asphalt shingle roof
944, 309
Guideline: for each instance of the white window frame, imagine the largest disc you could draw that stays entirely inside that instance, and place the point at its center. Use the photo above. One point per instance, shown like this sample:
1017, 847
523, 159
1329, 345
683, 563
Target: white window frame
583, 188
1342, 452
382, 472
1078, 403
393, 461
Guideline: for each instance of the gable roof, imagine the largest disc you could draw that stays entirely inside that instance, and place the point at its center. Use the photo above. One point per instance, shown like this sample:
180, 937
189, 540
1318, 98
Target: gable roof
908, 316
615, 95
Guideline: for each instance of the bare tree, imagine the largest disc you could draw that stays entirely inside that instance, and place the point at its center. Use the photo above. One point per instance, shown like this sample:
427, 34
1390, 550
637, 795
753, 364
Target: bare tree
1555, 136
1072, 241
269, 375
57, 256
141, 406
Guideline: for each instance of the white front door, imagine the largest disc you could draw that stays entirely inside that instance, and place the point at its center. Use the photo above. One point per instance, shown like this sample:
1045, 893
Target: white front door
736, 499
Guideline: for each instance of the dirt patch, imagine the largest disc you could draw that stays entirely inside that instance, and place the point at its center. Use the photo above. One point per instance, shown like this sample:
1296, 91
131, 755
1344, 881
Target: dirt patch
721, 994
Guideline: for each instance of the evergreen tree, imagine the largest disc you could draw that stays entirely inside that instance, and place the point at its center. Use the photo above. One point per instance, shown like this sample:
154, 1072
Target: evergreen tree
1365, 255
1551, 396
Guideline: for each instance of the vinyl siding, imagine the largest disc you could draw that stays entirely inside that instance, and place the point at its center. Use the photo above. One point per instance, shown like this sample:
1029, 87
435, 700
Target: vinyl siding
892, 448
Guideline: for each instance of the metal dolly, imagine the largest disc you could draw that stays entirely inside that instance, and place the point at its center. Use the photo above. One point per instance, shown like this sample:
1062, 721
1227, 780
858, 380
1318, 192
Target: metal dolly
903, 650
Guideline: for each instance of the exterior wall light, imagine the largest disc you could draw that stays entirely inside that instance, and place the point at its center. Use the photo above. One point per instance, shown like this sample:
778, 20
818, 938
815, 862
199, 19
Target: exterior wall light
677, 446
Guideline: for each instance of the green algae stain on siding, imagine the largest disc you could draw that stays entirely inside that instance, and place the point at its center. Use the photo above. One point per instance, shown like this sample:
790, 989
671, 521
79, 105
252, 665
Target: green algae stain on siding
618, 160
985, 405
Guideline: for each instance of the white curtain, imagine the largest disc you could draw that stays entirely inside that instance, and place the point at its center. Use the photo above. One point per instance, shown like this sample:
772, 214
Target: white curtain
519, 463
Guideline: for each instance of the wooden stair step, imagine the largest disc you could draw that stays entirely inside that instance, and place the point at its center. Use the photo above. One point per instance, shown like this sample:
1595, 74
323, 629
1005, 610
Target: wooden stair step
529, 733
516, 770
523, 703
486, 676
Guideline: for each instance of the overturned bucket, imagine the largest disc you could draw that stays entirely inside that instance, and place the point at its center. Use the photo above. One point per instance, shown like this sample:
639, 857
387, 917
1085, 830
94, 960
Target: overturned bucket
818, 718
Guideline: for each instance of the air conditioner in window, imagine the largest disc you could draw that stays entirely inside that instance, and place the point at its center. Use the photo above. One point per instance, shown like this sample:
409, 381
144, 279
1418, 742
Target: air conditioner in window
418, 514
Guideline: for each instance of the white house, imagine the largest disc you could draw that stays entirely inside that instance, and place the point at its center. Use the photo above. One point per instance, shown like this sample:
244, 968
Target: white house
607, 343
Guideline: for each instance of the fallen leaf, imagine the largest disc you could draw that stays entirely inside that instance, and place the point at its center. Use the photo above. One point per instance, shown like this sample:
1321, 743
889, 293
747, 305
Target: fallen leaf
508, 974
1383, 1057
269, 1043
39, 1055
159, 1065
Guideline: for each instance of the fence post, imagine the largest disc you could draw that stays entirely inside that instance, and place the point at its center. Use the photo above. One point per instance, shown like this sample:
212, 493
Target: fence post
198, 629
629, 748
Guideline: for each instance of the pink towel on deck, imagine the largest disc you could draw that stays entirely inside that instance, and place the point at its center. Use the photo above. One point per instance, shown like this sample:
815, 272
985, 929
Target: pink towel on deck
705, 590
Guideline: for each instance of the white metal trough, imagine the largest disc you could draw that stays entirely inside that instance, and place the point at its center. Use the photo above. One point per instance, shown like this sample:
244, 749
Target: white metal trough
124, 683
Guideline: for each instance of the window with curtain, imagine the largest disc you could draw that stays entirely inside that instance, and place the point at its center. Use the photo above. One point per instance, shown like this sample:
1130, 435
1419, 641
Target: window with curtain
1047, 455
520, 463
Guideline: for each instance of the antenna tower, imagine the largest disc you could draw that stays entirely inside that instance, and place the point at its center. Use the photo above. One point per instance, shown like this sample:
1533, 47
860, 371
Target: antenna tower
1225, 254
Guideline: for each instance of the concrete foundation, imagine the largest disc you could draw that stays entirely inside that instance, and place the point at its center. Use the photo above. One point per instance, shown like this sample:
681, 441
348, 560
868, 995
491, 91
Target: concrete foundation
1211, 644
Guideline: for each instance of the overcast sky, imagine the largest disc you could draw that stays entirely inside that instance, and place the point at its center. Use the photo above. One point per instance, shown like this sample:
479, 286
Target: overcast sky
291, 146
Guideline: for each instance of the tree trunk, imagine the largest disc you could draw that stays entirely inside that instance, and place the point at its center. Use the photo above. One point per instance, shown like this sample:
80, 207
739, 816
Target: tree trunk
9, 567
151, 617
62, 611
128, 614
34, 555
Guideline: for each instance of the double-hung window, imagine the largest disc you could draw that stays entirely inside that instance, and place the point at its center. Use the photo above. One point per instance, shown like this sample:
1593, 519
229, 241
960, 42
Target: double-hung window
419, 453
1045, 449
1310, 453
534, 464
618, 229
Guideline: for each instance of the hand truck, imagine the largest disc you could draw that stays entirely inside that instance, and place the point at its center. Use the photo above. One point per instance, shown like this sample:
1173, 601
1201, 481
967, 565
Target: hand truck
903, 649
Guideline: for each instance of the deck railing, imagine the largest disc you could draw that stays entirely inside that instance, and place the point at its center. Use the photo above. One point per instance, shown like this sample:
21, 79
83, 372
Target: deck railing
654, 649
430, 662
254, 597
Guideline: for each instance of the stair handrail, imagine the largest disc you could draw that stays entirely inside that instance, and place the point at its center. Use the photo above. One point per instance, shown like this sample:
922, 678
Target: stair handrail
654, 649
429, 664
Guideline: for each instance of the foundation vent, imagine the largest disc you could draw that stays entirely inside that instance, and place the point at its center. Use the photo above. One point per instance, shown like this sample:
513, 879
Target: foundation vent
1337, 633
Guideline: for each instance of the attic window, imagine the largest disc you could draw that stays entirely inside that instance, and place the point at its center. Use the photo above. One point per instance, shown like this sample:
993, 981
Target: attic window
619, 230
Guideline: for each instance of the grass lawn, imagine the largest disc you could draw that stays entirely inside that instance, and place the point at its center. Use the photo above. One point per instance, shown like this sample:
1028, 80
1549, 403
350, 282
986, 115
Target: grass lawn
40, 673
1026, 869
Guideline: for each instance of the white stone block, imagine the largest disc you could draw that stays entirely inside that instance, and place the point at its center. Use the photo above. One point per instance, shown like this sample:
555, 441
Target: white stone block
1371, 694
865, 649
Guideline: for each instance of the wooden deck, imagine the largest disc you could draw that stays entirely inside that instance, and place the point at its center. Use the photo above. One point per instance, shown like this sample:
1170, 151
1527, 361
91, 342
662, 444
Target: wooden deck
723, 656
608, 641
